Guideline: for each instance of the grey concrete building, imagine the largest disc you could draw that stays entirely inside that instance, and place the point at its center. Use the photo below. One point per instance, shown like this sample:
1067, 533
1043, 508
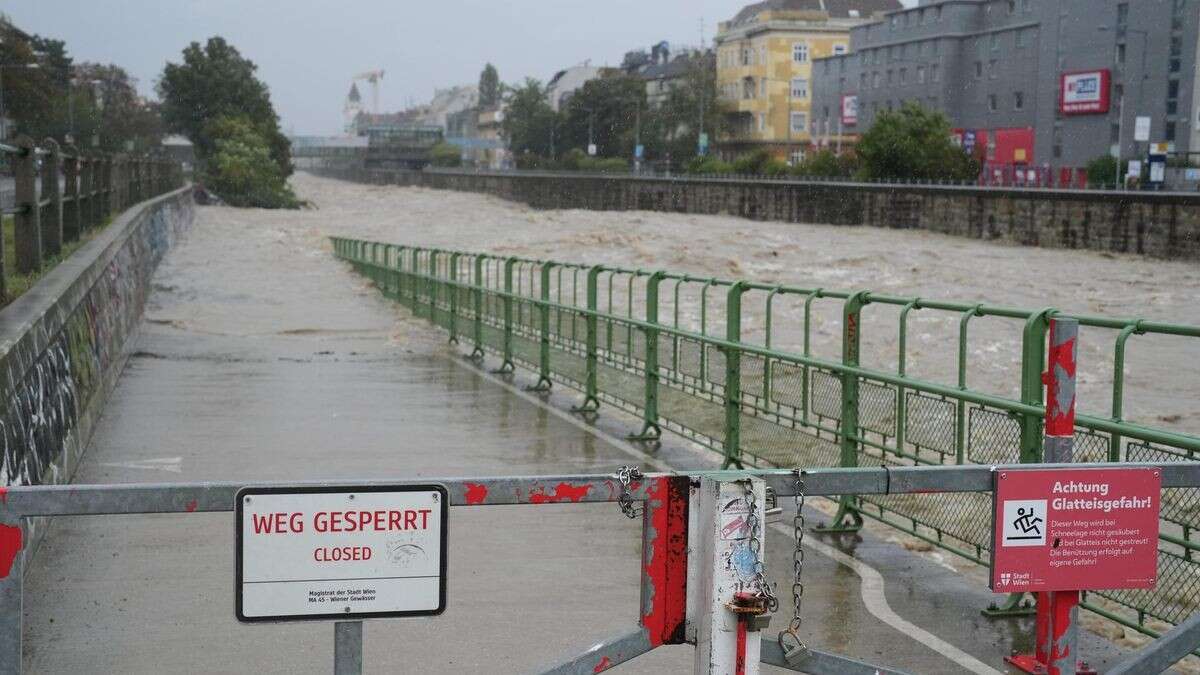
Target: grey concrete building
997, 69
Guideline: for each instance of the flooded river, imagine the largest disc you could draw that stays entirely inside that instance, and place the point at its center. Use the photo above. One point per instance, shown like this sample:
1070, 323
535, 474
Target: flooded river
1161, 386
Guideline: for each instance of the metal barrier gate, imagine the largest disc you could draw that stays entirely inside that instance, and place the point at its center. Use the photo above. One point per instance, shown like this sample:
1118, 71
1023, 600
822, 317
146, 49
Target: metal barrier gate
676, 351
683, 600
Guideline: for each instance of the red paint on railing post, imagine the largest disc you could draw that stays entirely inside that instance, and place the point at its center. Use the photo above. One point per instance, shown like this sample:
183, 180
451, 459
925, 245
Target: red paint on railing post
664, 560
1055, 637
10, 546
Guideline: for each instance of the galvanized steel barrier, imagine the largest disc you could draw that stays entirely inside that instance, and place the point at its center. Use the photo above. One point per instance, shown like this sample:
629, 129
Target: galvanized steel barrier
61, 192
664, 577
671, 349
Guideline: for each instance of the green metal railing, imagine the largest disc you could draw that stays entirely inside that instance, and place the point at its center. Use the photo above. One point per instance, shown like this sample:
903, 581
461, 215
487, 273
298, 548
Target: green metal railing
673, 350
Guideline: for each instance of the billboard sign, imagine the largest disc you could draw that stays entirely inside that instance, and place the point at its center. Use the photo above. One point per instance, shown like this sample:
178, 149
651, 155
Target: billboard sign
849, 109
341, 553
1084, 93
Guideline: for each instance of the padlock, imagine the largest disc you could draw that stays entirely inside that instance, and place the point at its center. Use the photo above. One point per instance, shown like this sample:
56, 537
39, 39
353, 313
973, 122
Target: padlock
756, 622
744, 603
796, 654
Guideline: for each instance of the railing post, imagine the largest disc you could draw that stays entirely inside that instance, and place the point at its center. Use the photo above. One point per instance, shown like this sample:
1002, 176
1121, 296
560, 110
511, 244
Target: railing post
72, 224
544, 383
86, 171
848, 518
507, 365
27, 230
651, 431
1033, 357
432, 285
591, 400
102, 184
733, 377
453, 286
414, 280
52, 217
477, 302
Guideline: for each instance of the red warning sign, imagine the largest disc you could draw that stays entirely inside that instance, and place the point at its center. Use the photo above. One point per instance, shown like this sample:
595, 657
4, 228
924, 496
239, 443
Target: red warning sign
1075, 529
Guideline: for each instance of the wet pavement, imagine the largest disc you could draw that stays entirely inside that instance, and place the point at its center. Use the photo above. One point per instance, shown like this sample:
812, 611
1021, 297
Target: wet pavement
262, 358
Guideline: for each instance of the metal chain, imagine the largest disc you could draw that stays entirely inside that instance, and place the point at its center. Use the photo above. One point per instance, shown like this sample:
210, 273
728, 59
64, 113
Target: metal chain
793, 628
626, 475
761, 587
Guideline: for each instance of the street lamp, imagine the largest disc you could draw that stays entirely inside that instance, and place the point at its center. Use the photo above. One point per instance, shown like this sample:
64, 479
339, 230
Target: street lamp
1141, 89
14, 66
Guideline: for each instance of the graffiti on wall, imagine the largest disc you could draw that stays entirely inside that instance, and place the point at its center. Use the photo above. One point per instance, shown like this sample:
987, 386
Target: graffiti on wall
49, 387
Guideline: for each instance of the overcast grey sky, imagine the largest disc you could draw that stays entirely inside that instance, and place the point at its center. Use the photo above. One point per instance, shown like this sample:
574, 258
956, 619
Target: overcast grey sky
307, 50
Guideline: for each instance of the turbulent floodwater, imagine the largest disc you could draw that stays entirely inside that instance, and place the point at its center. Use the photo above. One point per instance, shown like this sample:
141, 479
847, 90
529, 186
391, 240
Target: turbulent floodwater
1160, 373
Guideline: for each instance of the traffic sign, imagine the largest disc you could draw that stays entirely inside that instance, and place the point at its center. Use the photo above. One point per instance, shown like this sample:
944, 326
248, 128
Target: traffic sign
343, 553
1075, 529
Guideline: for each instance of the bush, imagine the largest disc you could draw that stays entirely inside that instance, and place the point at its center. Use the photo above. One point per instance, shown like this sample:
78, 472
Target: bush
445, 154
1104, 170
573, 157
708, 164
241, 169
913, 143
604, 165
827, 164
753, 163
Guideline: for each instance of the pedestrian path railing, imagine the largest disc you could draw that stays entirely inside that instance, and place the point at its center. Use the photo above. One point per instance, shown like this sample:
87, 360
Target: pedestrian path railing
682, 595
687, 354
61, 192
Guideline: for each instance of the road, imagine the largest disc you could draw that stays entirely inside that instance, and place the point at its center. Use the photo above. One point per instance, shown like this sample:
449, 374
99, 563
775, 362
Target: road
263, 358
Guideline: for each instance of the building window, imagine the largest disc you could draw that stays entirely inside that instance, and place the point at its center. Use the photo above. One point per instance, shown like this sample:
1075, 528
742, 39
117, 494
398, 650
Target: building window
937, 13
920, 74
799, 122
933, 47
1020, 39
1122, 13
762, 87
992, 69
978, 69
875, 79
1121, 54
762, 121
890, 77
1018, 100
839, 49
1173, 89
904, 76
895, 20
799, 87
862, 80
748, 88
934, 73
863, 58
992, 104
1172, 107
995, 41
800, 52
746, 56
797, 157
1012, 6
923, 17
1169, 130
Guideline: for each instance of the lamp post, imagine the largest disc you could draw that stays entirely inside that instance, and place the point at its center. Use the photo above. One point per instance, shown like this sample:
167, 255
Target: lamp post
14, 66
1141, 91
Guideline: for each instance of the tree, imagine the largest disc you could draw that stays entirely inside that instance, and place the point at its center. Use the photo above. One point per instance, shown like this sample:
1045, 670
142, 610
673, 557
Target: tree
529, 121
240, 168
489, 87
216, 81
109, 109
1103, 170
609, 106
445, 154
677, 120
913, 143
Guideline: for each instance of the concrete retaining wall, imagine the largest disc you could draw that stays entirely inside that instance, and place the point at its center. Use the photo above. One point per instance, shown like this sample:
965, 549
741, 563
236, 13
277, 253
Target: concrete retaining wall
1157, 224
63, 343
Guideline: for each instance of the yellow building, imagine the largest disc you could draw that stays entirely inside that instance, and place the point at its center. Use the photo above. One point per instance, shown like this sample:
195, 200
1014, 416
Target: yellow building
764, 61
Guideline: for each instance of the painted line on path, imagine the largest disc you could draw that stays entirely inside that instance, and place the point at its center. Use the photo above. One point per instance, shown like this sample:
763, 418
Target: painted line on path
872, 582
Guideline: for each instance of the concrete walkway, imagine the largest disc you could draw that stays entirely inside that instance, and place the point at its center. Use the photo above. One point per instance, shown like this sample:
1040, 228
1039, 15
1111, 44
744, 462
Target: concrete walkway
263, 358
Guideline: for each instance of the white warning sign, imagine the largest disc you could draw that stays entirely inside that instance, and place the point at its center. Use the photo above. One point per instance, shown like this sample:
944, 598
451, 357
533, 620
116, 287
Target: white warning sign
1024, 522
340, 552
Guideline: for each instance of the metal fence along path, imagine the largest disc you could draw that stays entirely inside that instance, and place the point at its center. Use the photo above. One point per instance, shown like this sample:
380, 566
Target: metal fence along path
670, 348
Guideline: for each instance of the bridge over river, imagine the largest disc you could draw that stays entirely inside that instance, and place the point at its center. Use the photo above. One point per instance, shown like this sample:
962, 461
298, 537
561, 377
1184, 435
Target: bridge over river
263, 357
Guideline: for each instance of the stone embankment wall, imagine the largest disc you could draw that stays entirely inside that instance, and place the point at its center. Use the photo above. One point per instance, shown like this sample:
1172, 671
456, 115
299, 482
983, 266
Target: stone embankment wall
64, 341
1156, 224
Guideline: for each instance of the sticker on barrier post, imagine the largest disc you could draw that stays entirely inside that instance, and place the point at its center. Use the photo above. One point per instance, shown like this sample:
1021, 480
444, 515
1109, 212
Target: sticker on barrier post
1075, 529
340, 553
